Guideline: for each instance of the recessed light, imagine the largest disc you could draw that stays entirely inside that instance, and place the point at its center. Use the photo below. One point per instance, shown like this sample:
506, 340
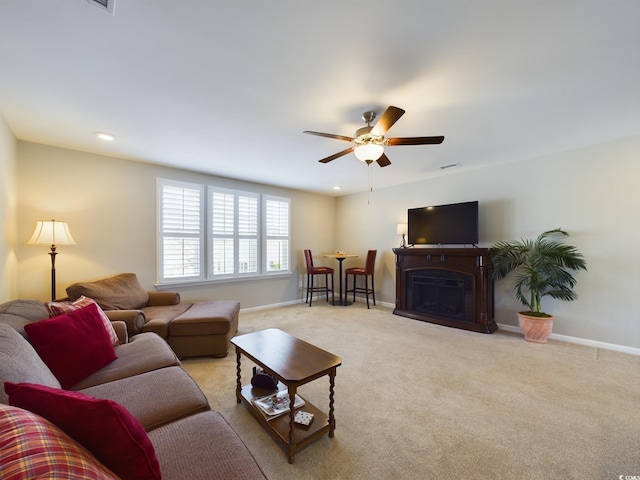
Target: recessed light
105, 136
337, 187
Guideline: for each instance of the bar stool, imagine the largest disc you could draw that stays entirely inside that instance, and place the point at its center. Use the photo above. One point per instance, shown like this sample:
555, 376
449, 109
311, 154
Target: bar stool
366, 272
311, 273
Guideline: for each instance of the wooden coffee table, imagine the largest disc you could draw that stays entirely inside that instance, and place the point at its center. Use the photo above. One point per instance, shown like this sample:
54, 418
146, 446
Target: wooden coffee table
293, 362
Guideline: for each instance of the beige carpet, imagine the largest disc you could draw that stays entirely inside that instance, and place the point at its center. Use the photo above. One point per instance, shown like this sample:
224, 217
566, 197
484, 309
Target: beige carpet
420, 401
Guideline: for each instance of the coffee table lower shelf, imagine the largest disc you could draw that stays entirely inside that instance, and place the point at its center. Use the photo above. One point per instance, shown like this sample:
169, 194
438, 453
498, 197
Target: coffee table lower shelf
280, 427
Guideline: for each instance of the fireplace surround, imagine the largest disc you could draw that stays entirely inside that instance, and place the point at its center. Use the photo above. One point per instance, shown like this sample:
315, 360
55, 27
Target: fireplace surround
446, 286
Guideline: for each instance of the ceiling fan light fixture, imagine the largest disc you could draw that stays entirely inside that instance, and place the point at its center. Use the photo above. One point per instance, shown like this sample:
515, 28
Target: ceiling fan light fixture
368, 151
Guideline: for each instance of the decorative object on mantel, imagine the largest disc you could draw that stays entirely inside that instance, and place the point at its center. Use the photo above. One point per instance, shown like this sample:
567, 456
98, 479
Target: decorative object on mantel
51, 233
401, 229
541, 267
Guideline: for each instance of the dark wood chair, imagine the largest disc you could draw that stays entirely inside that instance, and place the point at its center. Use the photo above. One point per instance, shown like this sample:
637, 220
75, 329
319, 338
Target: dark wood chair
311, 273
366, 272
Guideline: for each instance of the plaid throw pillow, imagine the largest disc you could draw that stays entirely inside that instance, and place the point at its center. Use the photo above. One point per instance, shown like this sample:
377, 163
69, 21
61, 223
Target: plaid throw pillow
59, 308
32, 447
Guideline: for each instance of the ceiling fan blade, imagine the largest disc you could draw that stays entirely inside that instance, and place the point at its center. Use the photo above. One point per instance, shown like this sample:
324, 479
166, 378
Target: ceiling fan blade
415, 140
390, 116
383, 161
337, 155
330, 135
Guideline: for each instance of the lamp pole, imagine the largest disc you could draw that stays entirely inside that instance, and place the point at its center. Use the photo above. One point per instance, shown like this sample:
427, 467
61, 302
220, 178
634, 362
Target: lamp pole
53, 254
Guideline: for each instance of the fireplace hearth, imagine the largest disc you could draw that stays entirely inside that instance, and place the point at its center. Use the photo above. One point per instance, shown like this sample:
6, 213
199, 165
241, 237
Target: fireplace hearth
447, 286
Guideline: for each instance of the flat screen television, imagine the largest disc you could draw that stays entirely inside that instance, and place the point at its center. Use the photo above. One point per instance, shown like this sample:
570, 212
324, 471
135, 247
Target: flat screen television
453, 224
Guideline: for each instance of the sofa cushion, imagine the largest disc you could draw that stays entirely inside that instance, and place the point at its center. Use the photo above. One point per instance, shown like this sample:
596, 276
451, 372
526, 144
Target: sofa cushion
73, 345
180, 396
144, 353
19, 362
58, 308
105, 428
32, 447
186, 446
30, 309
158, 319
121, 292
18, 313
206, 318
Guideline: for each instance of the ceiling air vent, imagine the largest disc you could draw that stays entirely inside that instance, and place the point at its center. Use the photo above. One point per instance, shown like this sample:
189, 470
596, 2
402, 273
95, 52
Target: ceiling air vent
106, 5
450, 165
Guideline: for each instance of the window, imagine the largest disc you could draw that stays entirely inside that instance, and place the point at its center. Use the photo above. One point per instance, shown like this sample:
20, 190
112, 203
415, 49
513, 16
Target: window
180, 238
234, 228
233, 234
276, 221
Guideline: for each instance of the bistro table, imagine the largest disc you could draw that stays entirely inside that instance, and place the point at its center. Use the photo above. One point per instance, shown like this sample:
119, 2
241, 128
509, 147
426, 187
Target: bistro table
340, 257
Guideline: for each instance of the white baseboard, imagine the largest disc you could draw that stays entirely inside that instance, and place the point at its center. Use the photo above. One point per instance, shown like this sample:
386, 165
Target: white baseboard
579, 341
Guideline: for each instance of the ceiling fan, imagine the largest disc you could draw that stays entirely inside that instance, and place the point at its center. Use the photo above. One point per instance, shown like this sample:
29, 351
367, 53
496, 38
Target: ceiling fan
370, 141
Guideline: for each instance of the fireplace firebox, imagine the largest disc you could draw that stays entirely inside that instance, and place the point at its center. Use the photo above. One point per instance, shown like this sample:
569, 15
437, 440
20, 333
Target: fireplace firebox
447, 286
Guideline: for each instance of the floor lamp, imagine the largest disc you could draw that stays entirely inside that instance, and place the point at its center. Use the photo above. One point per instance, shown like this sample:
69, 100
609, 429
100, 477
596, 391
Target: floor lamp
51, 233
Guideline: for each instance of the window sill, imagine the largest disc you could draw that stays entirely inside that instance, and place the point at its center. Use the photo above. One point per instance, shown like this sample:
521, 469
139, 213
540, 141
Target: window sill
202, 283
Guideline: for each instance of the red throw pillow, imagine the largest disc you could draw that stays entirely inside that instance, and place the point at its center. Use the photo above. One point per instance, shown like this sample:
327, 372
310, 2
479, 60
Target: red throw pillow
58, 308
105, 428
73, 345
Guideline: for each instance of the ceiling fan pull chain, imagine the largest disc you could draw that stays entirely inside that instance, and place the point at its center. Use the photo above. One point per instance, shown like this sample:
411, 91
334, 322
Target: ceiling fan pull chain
370, 189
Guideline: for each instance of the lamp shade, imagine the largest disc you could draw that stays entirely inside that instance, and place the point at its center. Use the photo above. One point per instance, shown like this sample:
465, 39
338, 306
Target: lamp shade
50, 232
368, 151
401, 229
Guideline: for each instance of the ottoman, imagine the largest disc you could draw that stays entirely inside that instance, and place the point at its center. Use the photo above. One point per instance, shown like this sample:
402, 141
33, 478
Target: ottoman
204, 329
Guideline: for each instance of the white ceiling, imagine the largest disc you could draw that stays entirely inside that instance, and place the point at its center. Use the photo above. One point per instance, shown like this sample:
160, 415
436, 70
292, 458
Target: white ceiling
228, 87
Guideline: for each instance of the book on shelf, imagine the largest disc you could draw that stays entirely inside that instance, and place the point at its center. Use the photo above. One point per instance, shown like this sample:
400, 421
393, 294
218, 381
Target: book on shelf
274, 405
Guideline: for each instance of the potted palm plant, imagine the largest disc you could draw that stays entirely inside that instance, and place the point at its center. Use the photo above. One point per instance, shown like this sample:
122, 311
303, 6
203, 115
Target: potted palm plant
540, 267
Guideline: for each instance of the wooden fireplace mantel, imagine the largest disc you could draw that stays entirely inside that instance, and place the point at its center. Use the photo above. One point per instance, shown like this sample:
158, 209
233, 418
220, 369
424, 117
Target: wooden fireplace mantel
469, 263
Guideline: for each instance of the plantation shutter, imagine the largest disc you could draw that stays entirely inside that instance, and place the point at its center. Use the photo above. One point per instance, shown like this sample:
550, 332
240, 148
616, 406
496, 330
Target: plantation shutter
234, 233
247, 233
180, 231
222, 233
276, 219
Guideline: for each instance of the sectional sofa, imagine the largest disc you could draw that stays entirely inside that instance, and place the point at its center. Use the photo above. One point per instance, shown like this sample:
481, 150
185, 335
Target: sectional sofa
190, 328
140, 415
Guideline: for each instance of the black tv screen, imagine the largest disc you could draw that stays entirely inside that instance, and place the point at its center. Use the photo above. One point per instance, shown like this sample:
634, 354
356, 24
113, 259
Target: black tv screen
453, 224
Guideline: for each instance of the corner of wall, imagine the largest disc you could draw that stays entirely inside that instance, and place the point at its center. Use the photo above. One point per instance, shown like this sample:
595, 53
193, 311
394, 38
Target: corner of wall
8, 212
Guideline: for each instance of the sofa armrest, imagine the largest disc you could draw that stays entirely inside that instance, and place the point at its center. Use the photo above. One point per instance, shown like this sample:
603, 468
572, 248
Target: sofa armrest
121, 331
162, 299
135, 319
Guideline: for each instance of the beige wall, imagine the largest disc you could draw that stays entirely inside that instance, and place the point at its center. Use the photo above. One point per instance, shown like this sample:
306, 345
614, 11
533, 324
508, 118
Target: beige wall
8, 209
110, 205
591, 192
